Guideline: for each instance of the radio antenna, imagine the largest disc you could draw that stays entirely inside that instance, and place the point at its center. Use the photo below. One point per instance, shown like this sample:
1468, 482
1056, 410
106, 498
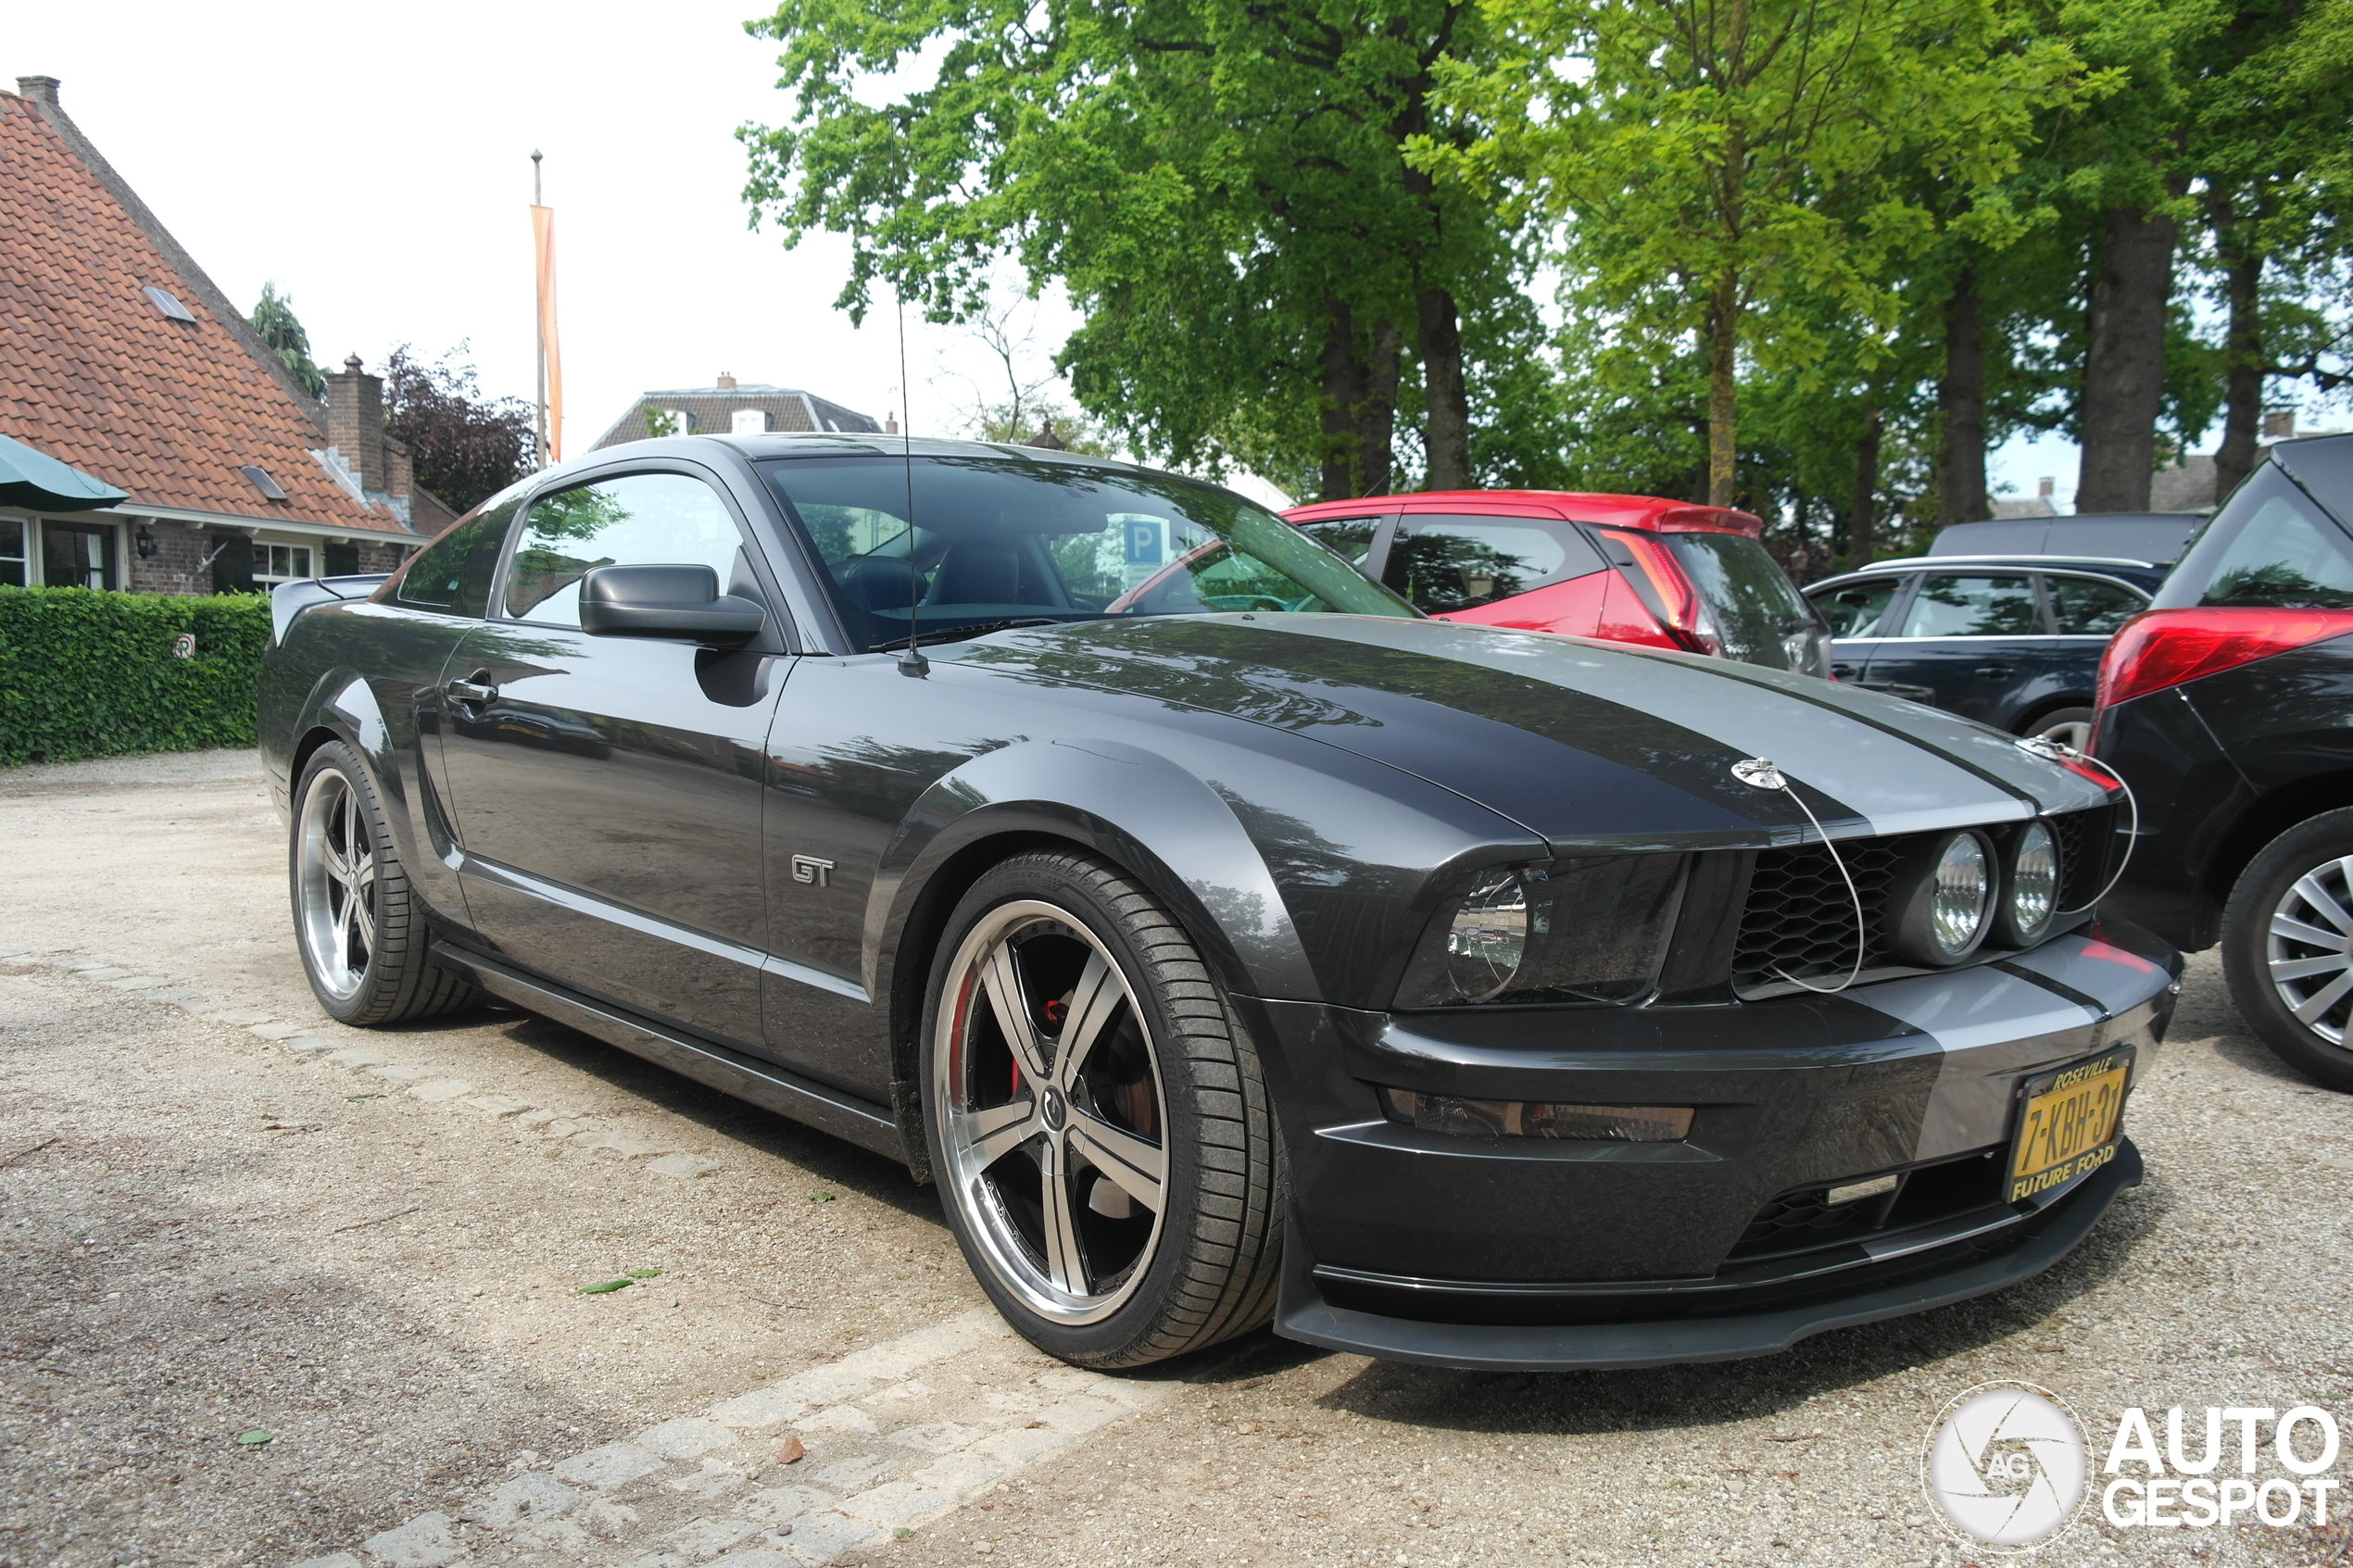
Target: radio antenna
910, 657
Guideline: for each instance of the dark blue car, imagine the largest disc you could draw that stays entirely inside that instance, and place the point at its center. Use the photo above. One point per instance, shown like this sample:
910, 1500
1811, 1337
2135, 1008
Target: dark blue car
2012, 639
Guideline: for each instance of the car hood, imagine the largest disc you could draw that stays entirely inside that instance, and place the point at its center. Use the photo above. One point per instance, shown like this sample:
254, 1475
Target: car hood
1586, 745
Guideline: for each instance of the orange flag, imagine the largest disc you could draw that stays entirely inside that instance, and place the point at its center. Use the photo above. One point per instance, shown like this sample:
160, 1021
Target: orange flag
543, 236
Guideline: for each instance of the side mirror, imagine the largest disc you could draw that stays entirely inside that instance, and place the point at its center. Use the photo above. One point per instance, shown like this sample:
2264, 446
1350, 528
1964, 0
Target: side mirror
681, 602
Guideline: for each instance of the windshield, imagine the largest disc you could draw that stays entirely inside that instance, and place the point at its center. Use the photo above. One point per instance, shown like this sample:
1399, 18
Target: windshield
1002, 539
1760, 617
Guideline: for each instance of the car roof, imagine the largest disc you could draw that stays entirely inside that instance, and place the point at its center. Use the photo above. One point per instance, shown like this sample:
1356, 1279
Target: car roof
2023, 562
2156, 538
1653, 513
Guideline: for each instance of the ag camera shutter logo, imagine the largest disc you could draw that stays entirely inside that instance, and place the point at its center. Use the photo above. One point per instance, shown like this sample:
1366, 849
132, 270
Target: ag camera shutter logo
2005, 1466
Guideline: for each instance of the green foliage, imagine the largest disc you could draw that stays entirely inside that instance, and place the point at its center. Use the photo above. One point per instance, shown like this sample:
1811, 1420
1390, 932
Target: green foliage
275, 319
87, 673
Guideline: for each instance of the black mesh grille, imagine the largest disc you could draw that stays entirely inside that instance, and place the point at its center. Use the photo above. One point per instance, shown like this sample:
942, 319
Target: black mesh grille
1799, 923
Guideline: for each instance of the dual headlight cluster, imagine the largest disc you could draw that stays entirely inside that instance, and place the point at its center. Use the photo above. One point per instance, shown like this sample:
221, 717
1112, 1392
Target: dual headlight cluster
1595, 929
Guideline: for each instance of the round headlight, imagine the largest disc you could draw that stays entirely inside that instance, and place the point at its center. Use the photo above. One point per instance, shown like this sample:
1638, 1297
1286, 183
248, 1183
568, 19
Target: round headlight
2033, 895
1489, 938
1942, 898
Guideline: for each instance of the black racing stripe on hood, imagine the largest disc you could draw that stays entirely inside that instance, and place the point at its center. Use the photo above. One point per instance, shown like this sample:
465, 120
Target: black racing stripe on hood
1561, 762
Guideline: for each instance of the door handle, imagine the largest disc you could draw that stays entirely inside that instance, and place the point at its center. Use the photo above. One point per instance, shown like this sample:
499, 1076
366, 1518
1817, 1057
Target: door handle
1992, 671
1842, 670
480, 687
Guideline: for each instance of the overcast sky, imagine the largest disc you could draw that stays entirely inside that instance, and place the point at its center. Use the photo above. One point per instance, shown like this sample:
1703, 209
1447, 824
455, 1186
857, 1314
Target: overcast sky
376, 165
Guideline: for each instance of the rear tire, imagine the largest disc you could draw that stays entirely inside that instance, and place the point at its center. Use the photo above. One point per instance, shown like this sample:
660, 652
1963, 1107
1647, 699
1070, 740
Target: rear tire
1099, 1123
2072, 726
2287, 947
359, 928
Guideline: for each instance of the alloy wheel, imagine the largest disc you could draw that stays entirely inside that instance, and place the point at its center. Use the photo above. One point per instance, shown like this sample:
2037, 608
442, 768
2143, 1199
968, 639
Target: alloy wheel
2309, 948
1052, 1111
2074, 733
335, 883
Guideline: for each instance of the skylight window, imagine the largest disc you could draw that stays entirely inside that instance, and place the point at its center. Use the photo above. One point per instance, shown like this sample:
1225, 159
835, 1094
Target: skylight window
260, 479
167, 305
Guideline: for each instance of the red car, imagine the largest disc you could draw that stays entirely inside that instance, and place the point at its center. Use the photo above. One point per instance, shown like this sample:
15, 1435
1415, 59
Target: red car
1625, 568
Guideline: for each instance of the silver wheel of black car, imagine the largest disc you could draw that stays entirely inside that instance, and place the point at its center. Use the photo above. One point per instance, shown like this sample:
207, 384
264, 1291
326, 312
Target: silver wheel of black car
1102, 1137
363, 937
2287, 947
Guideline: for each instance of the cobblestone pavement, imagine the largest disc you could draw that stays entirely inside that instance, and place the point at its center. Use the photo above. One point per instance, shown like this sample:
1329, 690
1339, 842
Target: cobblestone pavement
273, 1291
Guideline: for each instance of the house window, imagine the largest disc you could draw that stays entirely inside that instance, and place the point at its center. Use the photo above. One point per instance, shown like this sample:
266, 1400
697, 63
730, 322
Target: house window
750, 421
76, 555
12, 556
280, 563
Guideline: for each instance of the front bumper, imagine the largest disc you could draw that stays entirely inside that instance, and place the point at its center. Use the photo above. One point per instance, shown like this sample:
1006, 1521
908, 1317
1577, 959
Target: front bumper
1512, 1252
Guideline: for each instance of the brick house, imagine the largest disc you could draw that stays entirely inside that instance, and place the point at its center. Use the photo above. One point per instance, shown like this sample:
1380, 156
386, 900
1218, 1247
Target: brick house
120, 358
732, 409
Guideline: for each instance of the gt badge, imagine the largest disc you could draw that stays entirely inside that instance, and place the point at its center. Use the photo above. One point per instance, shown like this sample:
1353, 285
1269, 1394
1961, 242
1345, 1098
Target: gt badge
809, 869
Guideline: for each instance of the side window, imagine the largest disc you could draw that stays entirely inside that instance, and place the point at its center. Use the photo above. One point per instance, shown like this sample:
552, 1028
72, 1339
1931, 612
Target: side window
1951, 604
1350, 538
453, 573
2286, 555
1448, 563
637, 520
1855, 609
2086, 608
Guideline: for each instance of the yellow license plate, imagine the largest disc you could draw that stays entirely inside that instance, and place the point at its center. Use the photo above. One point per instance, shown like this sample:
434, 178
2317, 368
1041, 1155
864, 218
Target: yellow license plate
2067, 1124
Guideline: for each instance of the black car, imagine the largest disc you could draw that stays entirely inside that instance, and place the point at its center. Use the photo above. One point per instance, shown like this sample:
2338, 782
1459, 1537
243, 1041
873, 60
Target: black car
2229, 710
1227, 940
2010, 640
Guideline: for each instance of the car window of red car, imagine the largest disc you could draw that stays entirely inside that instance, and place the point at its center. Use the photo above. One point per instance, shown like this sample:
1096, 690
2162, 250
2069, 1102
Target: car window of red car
1450, 563
1349, 537
1953, 604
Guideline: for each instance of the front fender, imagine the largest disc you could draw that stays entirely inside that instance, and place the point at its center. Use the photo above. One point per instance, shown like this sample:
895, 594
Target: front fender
1135, 807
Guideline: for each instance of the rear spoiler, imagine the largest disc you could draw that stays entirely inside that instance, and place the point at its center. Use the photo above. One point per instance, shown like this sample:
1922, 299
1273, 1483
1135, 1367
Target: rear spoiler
290, 599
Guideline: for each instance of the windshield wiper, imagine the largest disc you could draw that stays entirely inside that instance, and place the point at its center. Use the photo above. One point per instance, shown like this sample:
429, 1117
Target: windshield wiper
958, 634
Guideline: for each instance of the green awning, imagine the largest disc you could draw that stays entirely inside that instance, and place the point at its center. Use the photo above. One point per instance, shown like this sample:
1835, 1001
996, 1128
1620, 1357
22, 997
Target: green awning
40, 482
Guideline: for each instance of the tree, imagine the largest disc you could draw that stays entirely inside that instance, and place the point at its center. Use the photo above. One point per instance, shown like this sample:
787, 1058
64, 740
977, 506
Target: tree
1220, 186
1719, 162
465, 447
273, 320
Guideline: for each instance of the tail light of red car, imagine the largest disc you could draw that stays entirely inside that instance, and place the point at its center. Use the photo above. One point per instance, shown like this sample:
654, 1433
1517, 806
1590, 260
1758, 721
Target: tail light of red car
1658, 580
2168, 648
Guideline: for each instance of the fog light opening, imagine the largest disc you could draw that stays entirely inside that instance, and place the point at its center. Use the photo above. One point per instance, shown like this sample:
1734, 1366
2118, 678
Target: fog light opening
1466, 1118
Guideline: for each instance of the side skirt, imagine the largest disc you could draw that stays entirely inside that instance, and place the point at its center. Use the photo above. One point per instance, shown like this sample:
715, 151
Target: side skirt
770, 1087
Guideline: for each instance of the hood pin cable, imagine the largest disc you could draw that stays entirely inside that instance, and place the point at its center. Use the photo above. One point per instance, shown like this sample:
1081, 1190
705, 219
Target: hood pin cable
2060, 751
1763, 773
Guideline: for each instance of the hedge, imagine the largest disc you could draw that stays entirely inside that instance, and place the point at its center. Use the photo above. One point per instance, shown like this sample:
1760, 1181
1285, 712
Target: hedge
90, 673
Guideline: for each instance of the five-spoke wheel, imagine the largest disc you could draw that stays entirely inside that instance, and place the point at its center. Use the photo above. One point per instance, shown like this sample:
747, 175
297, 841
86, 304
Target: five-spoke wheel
1099, 1125
335, 883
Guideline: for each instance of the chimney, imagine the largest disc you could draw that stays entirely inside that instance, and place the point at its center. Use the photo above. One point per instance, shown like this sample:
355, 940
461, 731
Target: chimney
890, 424
40, 89
2042, 487
2279, 424
356, 422
726, 381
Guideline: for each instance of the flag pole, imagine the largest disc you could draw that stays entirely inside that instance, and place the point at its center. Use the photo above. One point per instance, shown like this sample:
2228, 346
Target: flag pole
539, 315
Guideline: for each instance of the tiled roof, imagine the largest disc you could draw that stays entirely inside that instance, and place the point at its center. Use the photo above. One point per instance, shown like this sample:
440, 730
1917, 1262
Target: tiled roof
94, 374
709, 407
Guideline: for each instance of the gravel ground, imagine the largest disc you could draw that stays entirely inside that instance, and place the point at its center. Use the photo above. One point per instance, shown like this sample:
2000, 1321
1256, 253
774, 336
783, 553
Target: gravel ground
209, 1234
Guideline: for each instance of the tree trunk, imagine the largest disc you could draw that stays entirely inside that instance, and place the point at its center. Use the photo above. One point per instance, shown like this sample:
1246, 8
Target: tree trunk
1377, 416
2242, 360
1723, 335
1862, 514
1360, 405
1960, 398
1448, 406
1343, 394
2124, 362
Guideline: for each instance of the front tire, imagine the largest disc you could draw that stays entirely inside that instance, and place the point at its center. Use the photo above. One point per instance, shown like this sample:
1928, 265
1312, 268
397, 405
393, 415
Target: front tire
1099, 1123
359, 928
2287, 947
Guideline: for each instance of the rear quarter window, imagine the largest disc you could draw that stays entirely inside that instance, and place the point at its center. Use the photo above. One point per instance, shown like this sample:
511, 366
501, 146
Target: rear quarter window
453, 573
1755, 608
2271, 548
1442, 563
